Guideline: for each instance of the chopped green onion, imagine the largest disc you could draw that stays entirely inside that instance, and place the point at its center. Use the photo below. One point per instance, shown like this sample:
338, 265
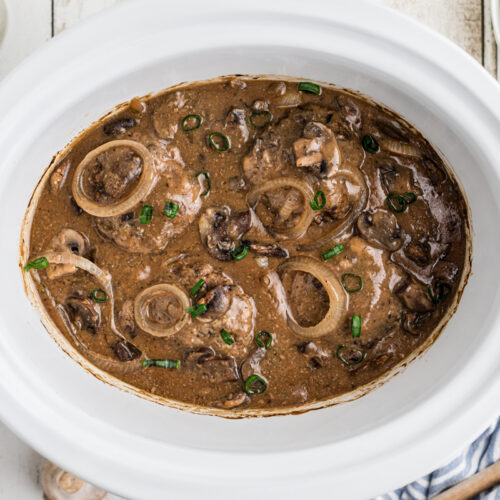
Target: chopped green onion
347, 362
226, 337
197, 287
356, 288
370, 144
333, 251
311, 88
40, 263
240, 253
356, 326
146, 214
268, 119
402, 204
316, 204
260, 385
207, 180
162, 363
196, 310
268, 340
409, 197
442, 290
99, 295
225, 140
170, 209
191, 118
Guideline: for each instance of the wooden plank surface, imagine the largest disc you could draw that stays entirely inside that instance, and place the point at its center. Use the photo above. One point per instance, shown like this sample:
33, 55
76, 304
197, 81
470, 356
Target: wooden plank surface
28, 25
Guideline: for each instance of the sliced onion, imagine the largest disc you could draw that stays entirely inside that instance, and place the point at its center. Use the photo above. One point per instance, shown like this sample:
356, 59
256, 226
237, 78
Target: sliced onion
125, 205
291, 99
287, 182
400, 148
142, 300
338, 300
354, 177
102, 276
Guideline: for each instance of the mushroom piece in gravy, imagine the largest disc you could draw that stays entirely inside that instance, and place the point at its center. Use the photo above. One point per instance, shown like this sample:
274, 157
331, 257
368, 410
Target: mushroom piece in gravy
249, 243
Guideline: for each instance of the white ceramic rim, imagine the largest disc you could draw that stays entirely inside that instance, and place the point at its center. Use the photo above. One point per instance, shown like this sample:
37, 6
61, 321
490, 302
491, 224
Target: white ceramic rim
91, 447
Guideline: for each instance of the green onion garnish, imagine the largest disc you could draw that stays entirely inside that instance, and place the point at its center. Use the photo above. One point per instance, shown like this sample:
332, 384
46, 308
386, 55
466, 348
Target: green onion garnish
40, 263
258, 383
196, 310
356, 326
354, 289
370, 144
225, 140
268, 339
197, 287
226, 337
409, 197
194, 119
338, 353
268, 118
170, 209
162, 363
311, 88
333, 251
442, 290
399, 200
240, 253
319, 201
207, 180
146, 214
99, 295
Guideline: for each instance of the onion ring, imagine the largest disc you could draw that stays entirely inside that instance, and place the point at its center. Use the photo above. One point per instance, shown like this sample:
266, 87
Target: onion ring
281, 182
146, 295
103, 277
332, 319
355, 177
119, 207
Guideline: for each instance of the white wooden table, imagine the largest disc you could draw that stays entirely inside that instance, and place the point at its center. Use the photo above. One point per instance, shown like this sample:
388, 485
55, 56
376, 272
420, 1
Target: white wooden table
31, 22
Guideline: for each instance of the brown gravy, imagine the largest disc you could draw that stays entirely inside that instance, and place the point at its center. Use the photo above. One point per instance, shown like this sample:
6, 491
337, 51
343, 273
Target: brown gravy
241, 243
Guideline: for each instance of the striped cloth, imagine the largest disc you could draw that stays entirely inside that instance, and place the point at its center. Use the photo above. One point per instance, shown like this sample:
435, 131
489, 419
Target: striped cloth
484, 451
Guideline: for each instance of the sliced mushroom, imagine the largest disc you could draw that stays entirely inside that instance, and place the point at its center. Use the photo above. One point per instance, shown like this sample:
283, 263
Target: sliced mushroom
381, 229
418, 252
413, 322
232, 401
221, 231
265, 160
415, 297
85, 314
70, 241
126, 351
118, 126
316, 357
266, 249
58, 484
350, 112
205, 362
217, 300
236, 125
126, 318
318, 149
251, 365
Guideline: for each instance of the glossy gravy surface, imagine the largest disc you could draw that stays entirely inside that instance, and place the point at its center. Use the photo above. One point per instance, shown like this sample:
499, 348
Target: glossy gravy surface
321, 219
